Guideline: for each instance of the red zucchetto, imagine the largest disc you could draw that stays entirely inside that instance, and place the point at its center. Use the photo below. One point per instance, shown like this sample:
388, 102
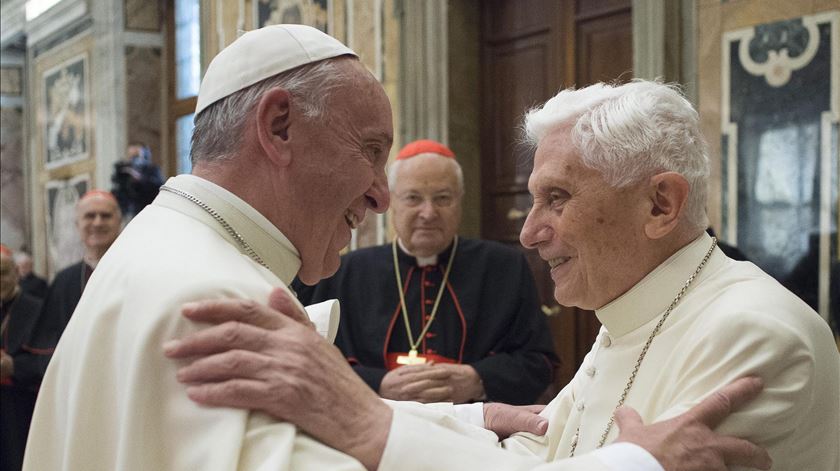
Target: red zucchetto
425, 146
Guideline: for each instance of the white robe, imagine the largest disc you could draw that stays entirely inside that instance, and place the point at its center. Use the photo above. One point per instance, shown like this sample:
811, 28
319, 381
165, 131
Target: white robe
110, 400
733, 321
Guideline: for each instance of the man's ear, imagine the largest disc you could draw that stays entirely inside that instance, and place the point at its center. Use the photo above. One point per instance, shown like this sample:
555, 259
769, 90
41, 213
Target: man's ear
668, 195
273, 122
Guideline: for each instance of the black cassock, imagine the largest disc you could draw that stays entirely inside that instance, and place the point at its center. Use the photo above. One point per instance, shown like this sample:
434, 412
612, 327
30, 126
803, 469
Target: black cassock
34, 285
17, 400
62, 297
489, 315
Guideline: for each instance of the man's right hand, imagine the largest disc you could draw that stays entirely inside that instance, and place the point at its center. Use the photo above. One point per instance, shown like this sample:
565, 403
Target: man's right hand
688, 442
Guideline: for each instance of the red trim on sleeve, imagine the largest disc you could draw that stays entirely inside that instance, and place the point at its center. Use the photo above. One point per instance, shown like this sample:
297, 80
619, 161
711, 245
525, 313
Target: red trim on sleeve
38, 351
463, 321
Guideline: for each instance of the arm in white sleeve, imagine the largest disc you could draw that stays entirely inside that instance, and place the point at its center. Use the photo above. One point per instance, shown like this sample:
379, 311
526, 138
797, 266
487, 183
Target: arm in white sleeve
626, 456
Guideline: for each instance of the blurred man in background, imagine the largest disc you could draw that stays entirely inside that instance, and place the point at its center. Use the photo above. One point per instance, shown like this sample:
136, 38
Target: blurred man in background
453, 319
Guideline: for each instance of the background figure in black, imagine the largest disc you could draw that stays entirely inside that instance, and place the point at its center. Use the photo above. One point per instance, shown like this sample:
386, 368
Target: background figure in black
804, 280
19, 378
136, 180
98, 223
29, 282
483, 339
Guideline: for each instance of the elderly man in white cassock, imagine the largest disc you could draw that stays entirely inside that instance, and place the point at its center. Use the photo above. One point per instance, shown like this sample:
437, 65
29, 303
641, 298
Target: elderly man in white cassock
619, 186
291, 138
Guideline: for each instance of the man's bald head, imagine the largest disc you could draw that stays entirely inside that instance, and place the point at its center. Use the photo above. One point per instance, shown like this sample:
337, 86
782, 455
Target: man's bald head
98, 220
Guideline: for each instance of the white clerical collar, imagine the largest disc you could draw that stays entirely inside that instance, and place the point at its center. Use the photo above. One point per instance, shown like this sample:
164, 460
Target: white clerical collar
652, 295
278, 253
421, 261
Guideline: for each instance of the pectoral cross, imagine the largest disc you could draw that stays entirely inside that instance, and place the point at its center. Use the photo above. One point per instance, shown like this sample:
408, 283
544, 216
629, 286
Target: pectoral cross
411, 359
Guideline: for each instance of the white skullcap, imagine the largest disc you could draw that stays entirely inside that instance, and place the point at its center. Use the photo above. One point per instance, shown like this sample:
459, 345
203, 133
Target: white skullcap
263, 53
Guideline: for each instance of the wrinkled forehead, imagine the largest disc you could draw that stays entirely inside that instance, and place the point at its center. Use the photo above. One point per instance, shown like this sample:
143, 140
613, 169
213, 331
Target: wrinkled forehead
556, 158
426, 172
96, 203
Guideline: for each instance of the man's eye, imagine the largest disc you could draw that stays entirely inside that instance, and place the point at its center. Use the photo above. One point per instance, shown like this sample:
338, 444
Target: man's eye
557, 198
443, 200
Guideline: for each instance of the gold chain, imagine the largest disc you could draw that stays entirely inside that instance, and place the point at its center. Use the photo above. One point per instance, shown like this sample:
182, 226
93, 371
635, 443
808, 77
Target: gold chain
645, 350
411, 341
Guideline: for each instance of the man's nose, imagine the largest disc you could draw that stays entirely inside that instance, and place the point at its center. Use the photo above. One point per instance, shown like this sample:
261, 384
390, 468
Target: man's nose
534, 231
378, 197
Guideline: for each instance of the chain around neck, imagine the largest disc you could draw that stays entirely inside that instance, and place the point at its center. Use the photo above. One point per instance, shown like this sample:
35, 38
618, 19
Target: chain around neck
243, 244
411, 342
644, 351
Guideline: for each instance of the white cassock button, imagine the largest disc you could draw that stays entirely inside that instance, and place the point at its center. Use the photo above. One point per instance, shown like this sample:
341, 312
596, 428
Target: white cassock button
590, 371
605, 341
580, 406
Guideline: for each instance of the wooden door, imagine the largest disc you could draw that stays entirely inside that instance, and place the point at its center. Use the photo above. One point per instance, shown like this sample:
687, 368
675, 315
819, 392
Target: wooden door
531, 49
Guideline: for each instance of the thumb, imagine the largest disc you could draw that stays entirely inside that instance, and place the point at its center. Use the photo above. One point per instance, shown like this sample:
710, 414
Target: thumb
627, 417
282, 300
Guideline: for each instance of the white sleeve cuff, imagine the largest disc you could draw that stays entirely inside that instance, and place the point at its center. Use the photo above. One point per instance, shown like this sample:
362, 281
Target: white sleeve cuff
626, 456
472, 414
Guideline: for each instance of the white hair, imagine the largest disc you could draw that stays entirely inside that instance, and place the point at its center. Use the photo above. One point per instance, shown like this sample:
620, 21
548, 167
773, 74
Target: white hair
219, 127
629, 133
20, 257
394, 168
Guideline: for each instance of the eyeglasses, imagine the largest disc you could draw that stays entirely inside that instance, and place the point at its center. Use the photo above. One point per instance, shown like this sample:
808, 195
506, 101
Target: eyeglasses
439, 200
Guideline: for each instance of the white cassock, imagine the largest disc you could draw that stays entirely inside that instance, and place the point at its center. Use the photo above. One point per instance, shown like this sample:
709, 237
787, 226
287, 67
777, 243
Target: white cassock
110, 399
735, 320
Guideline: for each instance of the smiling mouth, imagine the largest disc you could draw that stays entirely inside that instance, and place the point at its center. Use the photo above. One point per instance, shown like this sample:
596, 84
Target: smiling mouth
556, 262
351, 219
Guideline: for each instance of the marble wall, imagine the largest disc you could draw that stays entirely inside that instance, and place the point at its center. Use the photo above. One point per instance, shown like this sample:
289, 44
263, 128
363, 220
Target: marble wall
769, 82
144, 112
714, 18
13, 229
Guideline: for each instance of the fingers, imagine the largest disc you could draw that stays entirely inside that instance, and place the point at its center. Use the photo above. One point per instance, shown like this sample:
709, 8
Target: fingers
435, 394
505, 420
219, 338
712, 410
534, 408
239, 393
418, 387
627, 417
225, 366
420, 373
739, 452
217, 311
281, 300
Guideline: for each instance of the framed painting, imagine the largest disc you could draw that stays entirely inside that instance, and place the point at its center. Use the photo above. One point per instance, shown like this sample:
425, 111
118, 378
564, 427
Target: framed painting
66, 110
314, 13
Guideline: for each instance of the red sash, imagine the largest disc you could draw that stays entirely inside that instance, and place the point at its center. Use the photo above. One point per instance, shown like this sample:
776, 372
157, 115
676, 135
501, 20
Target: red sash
391, 359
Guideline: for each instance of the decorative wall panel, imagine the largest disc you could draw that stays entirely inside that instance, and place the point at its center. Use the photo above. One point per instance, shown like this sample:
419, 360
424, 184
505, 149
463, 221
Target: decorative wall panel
305, 12
780, 115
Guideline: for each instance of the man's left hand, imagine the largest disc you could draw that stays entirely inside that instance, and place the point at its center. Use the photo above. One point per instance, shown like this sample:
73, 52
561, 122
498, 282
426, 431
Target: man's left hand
463, 381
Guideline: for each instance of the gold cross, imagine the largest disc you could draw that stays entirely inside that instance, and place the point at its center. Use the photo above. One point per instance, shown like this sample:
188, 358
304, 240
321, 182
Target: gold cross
411, 359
